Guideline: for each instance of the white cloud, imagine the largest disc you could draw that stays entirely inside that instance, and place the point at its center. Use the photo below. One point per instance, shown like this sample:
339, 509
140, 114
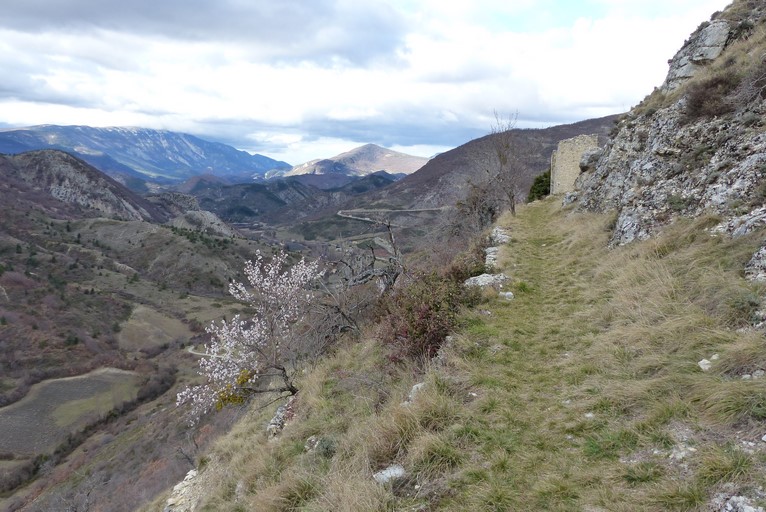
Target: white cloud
298, 81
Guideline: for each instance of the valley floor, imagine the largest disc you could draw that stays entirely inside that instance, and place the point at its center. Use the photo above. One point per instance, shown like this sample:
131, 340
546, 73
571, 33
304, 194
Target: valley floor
582, 393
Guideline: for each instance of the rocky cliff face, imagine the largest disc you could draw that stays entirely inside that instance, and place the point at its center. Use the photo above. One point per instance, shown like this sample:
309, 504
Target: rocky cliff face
704, 46
698, 143
72, 181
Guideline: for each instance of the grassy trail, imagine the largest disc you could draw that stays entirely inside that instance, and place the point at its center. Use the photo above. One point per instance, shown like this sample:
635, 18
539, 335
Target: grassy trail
530, 366
590, 396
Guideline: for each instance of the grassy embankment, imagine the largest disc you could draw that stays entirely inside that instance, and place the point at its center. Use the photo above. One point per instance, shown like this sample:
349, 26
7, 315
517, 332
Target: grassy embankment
582, 393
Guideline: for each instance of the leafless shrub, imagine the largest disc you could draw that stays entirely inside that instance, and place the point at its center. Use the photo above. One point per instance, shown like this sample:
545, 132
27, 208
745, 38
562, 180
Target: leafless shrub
752, 87
710, 97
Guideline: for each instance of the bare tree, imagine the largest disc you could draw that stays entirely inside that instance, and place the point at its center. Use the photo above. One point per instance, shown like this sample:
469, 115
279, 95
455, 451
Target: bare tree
497, 188
479, 209
359, 278
504, 165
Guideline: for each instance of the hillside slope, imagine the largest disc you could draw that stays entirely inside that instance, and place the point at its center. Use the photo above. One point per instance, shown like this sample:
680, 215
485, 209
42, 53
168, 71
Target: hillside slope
591, 399
69, 180
444, 179
98, 298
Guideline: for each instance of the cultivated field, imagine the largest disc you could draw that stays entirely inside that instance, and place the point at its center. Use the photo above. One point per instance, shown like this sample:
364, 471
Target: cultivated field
54, 408
148, 328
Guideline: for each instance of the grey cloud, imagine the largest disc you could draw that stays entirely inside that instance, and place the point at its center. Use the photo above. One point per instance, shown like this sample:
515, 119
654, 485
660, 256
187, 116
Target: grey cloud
21, 82
386, 132
413, 127
277, 29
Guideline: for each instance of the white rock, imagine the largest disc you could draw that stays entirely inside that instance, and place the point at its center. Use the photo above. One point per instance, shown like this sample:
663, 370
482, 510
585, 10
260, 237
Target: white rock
413, 393
569, 198
311, 443
490, 259
705, 365
487, 280
741, 504
500, 236
714, 357
757, 374
702, 47
506, 295
392, 472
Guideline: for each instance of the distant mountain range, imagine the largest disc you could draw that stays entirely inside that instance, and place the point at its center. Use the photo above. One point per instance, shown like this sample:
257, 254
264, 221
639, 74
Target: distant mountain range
134, 154
141, 158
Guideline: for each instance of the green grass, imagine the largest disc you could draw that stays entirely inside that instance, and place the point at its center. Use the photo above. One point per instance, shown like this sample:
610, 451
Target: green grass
575, 395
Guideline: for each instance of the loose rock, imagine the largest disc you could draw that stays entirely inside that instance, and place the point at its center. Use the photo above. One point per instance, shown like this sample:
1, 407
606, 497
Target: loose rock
413, 393
277, 423
393, 472
496, 280
490, 258
499, 236
180, 501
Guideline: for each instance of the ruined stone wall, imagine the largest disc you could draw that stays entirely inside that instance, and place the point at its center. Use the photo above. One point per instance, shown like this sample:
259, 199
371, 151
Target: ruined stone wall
565, 162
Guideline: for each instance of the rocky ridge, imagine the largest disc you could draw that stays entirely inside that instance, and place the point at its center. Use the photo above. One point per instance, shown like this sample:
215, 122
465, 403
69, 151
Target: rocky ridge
699, 149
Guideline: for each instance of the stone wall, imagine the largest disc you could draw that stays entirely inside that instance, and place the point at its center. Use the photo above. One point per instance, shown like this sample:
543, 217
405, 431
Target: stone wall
565, 162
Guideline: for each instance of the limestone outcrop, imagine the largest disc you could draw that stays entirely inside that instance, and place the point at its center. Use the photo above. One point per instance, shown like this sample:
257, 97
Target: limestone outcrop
184, 498
705, 45
657, 168
204, 221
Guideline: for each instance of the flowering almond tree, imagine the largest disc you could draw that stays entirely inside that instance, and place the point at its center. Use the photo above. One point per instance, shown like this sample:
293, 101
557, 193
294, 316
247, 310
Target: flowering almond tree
243, 353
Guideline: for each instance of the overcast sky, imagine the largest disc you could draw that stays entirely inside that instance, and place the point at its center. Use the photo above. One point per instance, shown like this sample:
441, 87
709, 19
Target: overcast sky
303, 79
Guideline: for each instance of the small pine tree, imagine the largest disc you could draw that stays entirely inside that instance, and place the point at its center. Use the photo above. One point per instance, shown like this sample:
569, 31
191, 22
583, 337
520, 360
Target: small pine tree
541, 187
